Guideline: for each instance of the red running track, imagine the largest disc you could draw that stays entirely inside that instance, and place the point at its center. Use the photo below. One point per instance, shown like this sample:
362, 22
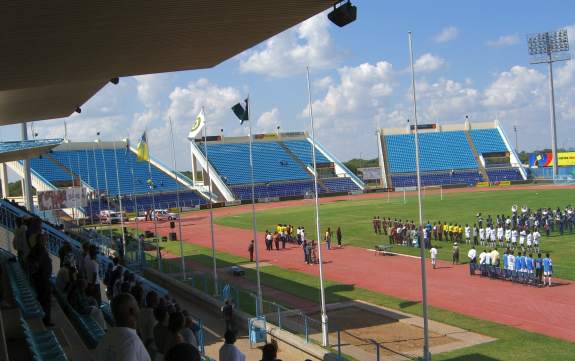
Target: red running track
550, 311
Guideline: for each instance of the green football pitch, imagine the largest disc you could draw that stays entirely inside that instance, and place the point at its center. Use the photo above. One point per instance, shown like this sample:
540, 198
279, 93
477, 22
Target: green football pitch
354, 217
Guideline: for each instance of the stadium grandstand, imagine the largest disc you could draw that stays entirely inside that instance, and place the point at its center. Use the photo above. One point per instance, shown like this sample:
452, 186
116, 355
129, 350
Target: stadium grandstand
454, 154
283, 167
108, 171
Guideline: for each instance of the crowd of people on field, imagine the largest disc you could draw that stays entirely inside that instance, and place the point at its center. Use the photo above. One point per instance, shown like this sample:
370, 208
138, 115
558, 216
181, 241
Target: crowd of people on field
285, 233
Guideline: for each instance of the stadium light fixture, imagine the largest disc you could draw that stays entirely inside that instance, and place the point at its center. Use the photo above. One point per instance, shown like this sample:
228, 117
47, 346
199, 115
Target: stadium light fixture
343, 15
549, 47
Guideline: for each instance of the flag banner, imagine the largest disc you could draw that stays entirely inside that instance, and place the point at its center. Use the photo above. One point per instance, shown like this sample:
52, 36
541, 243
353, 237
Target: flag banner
62, 198
198, 125
142, 149
241, 112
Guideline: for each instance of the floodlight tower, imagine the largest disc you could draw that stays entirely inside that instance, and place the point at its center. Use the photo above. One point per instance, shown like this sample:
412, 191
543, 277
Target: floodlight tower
549, 47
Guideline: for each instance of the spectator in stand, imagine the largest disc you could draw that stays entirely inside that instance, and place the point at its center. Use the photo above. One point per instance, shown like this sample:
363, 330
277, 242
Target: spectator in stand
183, 352
65, 277
83, 303
228, 315
92, 272
228, 351
189, 331
175, 326
121, 343
147, 321
161, 329
270, 352
20, 242
40, 270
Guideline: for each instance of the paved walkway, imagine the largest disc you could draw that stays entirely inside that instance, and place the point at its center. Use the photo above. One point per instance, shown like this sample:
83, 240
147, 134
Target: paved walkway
549, 311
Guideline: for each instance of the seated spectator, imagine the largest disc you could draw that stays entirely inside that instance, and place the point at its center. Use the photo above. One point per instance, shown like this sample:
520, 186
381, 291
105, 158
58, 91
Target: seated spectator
189, 331
84, 304
183, 352
270, 352
147, 322
228, 351
161, 329
121, 343
175, 327
138, 292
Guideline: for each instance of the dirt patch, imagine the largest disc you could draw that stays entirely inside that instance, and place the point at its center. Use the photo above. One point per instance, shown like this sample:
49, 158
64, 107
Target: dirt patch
365, 328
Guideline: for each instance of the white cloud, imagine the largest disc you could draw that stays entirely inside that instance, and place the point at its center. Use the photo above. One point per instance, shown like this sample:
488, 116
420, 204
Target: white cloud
323, 83
520, 86
268, 121
447, 34
503, 40
428, 63
446, 100
290, 52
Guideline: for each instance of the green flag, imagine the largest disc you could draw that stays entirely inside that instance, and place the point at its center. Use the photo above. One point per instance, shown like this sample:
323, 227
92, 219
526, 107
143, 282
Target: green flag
241, 112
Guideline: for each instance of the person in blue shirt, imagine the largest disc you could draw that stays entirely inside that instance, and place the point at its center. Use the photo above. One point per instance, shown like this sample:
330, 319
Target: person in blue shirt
505, 264
547, 269
539, 268
529, 265
519, 265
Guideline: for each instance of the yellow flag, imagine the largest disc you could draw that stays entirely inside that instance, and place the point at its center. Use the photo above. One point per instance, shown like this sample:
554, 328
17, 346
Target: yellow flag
142, 149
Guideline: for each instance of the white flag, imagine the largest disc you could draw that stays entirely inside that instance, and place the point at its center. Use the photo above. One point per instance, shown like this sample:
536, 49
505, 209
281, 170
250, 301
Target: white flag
198, 125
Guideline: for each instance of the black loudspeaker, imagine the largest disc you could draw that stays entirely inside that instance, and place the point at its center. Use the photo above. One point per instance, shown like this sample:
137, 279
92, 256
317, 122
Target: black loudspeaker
343, 15
172, 224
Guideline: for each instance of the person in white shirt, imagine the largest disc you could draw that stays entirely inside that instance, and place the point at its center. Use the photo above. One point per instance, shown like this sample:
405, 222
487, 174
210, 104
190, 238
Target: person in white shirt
536, 239
522, 236
482, 264
121, 343
500, 235
228, 351
514, 237
472, 255
433, 252
482, 236
92, 272
508, 236
467, 234
511, 264
488, 235
147, 321
493, 238
529, 240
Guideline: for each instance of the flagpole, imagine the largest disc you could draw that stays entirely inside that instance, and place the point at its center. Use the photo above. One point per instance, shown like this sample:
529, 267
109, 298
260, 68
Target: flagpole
426, 354
135, 197
120, 201
159, 252
259, 306
106, 180
324, 324
214, 261
178, 201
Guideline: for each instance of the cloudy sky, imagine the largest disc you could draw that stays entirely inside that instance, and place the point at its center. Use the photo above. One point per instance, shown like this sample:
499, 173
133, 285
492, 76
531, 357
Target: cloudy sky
471, 59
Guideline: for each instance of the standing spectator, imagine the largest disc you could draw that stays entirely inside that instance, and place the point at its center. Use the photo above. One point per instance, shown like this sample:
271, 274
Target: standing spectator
338, 236
228, 315
433, 252
121, 342
251, 250
40, 266
228, 351
20, 242
161, 328
472, 255
147, 321
327, 238
455, 253
92, 269
189, 331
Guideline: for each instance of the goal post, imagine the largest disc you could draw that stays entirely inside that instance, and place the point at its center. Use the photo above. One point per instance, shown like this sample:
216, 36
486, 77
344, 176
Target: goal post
432, 190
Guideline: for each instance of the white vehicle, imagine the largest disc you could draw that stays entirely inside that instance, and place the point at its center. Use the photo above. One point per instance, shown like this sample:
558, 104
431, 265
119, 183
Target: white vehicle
110, 217
164, 215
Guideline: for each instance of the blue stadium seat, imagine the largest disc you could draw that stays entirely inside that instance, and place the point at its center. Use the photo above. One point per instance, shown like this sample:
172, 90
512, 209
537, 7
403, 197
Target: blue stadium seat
504, 174
438, 151
487, 140
303, 150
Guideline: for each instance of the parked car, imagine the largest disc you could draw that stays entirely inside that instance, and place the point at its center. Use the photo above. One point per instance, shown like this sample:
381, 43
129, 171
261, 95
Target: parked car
110, 217
165, 215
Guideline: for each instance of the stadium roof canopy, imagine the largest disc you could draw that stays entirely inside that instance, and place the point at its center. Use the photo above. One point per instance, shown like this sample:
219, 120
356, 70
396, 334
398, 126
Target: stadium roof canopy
58, 54
25, 149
